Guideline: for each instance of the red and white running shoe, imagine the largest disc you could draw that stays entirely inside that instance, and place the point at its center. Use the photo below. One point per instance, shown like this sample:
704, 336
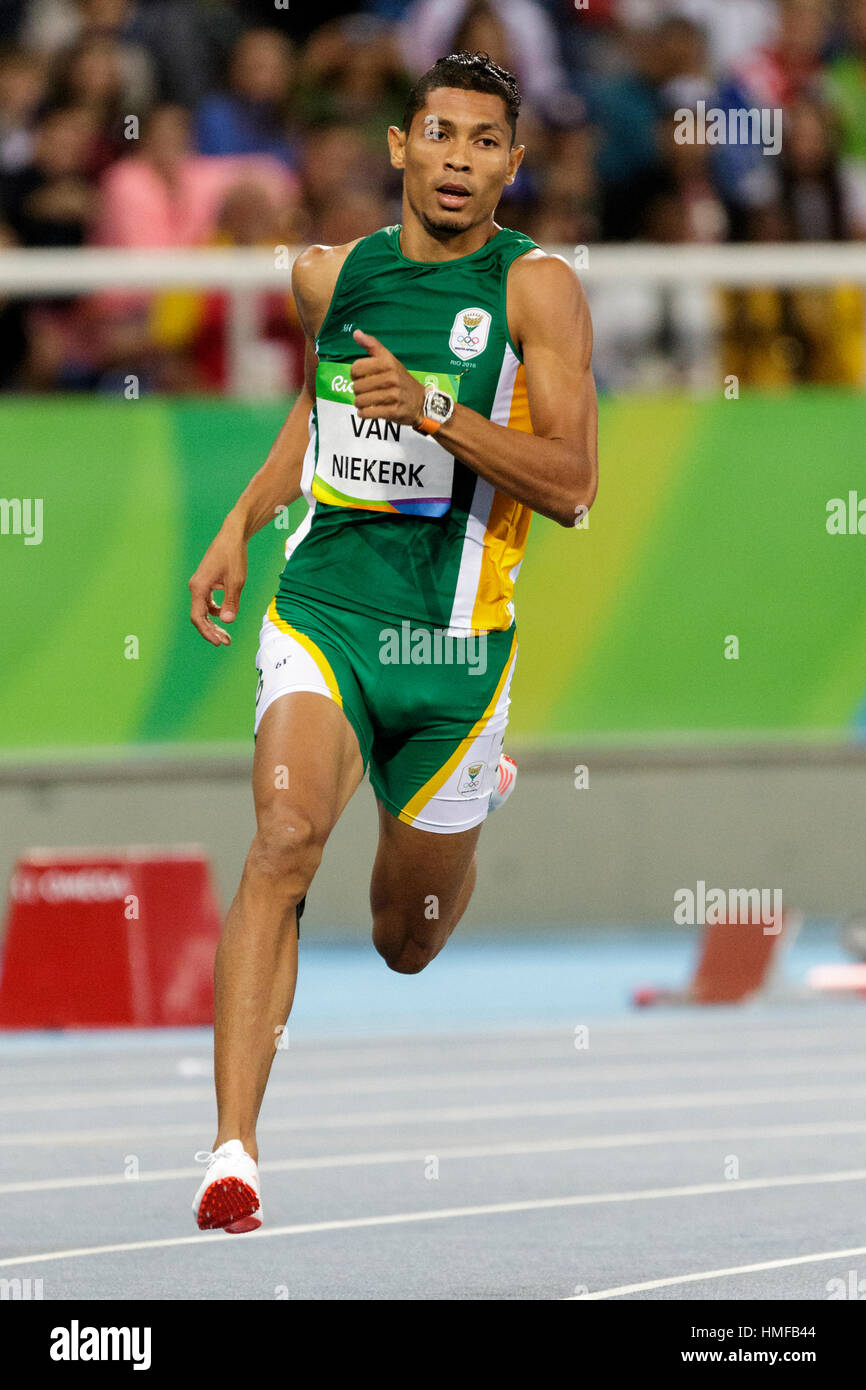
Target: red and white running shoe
506, 776
228, 1199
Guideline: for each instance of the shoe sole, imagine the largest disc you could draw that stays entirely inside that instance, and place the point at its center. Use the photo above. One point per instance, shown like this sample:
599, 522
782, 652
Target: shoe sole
229, 1204
240, 1228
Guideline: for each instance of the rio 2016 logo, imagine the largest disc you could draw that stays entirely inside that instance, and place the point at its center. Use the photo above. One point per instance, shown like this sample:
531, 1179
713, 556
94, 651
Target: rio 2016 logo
469, 332
470, 321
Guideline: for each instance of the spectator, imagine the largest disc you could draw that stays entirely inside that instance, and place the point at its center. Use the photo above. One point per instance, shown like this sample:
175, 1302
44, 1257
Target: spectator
773, 77
811, 191
91, 74
686, 206
812, 209
191, 329
52, 28
591, 39
627, 110
336, 162
517, 33
251, 117
52, 201
733, 28
168, 195
165, 196
352, 73
686, 77
568, 206
22, 88
189, 45
345, 216
846, 90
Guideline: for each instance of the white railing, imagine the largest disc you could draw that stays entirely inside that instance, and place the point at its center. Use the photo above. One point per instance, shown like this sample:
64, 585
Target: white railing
241, 272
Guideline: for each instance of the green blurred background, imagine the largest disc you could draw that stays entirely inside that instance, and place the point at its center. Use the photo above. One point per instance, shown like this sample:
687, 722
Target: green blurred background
710, 522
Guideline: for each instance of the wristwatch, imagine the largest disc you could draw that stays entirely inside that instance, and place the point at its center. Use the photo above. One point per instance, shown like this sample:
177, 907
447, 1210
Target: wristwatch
438, 407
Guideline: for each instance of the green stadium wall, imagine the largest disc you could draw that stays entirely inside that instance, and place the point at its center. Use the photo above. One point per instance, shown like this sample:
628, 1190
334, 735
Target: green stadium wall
710, 522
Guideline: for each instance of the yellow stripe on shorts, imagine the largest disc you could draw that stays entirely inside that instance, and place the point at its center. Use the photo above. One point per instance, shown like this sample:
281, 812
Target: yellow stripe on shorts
417, 803
309, 645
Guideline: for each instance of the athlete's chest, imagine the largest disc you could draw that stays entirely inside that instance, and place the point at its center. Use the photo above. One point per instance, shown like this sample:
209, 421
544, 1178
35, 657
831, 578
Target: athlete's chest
452, 322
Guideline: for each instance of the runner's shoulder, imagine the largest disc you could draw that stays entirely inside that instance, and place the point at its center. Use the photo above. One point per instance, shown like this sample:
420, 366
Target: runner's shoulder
314, 275
541, 283
537, 268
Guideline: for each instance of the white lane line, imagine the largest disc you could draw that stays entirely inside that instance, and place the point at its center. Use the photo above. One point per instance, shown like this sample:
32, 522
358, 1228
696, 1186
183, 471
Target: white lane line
183, 1095
590, 1142
481, 1047
452, 1213
718, 1274
580, 1069
364, 1119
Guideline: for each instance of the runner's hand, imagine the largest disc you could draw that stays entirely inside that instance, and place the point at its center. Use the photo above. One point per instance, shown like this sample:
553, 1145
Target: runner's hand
384, 390
224, 567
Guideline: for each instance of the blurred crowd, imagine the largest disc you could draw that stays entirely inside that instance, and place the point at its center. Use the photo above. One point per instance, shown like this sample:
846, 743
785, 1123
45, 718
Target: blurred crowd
175, 123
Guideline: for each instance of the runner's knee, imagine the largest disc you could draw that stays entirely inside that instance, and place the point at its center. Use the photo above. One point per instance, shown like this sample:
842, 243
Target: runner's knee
286, 850
400, 950
409, 958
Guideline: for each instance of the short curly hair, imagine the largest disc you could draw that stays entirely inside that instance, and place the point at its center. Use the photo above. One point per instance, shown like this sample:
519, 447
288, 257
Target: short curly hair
471, 72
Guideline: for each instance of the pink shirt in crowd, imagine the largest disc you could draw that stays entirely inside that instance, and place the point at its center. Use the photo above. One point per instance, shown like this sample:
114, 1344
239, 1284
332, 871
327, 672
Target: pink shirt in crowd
139, 209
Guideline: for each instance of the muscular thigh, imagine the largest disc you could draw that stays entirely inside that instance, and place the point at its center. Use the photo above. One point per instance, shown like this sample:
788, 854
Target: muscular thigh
307, 762
312, 729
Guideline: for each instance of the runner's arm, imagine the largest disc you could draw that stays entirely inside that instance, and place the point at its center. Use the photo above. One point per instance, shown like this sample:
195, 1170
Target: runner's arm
276, 484
554, 470
278, 481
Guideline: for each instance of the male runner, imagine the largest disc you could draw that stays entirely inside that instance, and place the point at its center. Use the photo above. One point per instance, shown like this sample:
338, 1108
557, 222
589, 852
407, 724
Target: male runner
448, 395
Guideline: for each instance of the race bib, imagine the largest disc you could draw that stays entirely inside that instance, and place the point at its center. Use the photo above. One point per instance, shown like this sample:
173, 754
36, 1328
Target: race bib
377, 465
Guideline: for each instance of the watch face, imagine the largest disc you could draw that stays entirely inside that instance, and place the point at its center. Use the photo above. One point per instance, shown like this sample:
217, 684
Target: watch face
440, 404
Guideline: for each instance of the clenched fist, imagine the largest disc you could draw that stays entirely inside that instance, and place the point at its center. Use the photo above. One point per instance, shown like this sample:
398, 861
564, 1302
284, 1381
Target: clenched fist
384, 390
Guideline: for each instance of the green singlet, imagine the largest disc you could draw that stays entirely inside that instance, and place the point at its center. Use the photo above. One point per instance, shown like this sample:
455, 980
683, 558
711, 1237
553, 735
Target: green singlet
397, 527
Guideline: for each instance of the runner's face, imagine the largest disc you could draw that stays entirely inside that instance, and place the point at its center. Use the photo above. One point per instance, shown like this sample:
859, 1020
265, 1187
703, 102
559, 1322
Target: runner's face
456, 157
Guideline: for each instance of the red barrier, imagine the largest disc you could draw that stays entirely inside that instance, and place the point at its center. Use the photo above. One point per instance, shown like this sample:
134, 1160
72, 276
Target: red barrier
736, 962
124, 938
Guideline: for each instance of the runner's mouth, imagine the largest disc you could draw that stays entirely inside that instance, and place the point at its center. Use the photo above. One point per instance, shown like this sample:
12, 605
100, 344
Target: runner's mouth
453, 195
